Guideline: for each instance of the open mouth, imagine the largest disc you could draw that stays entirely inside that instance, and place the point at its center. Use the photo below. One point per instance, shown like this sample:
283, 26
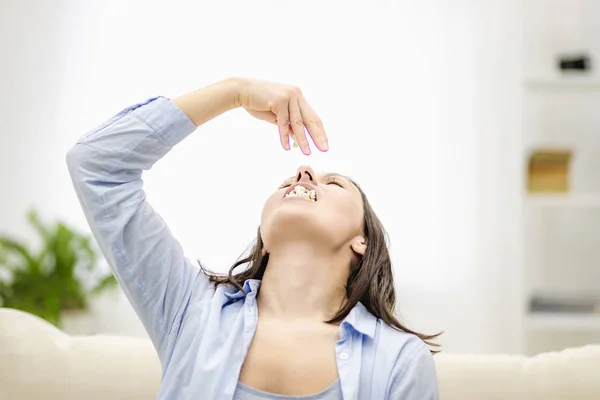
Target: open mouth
303, 191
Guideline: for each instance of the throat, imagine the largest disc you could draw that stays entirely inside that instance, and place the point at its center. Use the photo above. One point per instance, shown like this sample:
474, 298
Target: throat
302, 284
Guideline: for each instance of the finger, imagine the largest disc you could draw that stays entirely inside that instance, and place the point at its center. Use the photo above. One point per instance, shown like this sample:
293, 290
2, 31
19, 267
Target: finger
313, 124
294, 139
283, 122
298, 126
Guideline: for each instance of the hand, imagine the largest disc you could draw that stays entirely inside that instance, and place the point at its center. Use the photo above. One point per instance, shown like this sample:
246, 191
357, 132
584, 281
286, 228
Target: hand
286, 107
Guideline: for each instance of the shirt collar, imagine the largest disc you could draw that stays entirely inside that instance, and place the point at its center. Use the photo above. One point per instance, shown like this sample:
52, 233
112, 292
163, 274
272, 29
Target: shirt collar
359, 318
250, 287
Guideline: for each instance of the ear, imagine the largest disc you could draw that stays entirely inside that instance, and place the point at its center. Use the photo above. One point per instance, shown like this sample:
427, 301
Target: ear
359, 245
264, 251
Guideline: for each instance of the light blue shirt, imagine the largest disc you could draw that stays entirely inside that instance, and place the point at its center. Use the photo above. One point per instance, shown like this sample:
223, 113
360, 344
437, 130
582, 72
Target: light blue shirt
202, 333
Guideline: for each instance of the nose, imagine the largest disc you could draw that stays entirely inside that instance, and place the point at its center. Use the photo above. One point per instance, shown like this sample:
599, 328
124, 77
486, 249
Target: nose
306, 174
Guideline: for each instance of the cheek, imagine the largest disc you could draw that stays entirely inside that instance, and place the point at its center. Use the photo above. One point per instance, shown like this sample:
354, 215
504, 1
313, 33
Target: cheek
345, 217
269, 210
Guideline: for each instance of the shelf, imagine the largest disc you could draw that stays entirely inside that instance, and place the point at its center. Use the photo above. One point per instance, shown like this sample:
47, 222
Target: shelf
579, 83
558, 321
567, 200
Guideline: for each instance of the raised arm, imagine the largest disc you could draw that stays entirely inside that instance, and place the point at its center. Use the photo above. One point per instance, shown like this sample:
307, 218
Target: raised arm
106, 168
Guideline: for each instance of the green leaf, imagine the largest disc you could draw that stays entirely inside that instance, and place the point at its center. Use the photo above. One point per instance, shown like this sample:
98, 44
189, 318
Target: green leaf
9, 246
55, 278
35, 221
107, 282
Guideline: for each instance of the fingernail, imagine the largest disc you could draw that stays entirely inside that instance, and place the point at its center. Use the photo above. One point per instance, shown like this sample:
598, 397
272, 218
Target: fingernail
324, 145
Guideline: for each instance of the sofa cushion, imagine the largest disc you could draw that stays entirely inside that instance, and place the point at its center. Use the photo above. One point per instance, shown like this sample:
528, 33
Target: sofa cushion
38, 361
571, 374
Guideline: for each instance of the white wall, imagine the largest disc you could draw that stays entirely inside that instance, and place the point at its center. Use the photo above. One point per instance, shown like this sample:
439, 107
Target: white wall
412, 94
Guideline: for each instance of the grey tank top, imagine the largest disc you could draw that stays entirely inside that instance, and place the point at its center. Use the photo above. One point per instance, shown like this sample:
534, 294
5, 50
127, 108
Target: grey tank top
243, 392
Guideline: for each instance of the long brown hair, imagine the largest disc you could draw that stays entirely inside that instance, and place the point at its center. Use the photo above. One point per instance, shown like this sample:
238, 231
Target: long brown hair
370, 280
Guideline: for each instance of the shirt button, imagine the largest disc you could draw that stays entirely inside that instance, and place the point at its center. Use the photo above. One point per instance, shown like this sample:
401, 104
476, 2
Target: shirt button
344, 356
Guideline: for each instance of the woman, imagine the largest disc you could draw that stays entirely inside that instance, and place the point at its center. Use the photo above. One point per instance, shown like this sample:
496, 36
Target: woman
322, 324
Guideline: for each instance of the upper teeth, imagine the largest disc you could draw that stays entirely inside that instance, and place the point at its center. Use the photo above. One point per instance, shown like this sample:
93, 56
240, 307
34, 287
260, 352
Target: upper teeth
301, 191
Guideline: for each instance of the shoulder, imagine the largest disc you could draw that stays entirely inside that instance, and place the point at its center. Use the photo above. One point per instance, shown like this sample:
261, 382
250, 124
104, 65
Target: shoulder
397, 342
410, 365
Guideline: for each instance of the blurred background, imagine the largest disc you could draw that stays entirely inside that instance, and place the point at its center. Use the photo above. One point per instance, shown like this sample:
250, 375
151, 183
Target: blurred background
473, 127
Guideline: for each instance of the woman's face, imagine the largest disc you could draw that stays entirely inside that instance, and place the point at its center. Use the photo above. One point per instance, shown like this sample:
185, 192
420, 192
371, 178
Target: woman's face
333, 216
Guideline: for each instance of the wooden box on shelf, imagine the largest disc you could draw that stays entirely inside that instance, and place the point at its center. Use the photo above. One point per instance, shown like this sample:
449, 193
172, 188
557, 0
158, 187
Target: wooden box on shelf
548, 171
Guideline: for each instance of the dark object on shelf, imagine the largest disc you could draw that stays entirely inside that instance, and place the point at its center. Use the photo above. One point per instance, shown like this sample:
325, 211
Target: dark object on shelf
548, 171
575, 63
564, 304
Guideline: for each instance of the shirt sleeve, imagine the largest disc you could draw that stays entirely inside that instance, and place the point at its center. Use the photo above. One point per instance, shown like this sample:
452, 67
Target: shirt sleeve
106, 167
415, 377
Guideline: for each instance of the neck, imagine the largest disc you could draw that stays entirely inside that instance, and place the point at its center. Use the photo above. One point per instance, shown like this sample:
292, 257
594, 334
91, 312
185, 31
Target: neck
303, 281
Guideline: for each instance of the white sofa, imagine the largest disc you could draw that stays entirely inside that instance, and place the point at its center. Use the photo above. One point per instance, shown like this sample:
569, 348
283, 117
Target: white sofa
38, 361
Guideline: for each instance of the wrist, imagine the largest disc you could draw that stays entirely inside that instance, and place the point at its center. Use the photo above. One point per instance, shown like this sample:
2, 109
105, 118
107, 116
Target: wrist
236, 89
208, 102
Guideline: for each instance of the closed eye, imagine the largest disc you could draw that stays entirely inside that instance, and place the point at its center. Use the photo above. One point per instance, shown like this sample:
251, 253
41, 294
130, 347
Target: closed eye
333, 181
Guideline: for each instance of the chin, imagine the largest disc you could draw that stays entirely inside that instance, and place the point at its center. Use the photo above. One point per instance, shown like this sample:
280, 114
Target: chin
294, 223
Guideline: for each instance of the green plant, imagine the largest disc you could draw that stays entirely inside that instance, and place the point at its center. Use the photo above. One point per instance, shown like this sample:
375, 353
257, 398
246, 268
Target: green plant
55, 278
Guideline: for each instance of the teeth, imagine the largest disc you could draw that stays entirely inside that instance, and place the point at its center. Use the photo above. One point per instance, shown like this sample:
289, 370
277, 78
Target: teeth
300, 191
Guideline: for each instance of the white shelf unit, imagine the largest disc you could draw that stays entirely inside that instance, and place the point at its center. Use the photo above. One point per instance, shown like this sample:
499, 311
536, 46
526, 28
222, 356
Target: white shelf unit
561, 232
550, 332
563, 322
562, 84
561, 257
591, 200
